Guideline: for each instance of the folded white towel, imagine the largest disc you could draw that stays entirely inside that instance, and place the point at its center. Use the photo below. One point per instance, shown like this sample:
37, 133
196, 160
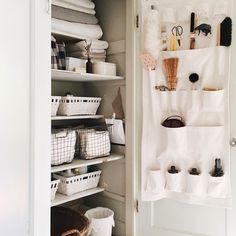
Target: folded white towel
83, 3
84, 55
97, 46
62, 13
65, 4
82, 31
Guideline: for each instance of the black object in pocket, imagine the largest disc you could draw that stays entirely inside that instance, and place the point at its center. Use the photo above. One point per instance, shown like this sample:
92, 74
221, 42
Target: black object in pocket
173, 122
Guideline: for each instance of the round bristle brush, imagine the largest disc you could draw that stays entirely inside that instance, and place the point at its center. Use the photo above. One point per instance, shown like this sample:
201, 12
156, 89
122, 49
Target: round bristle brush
193, 78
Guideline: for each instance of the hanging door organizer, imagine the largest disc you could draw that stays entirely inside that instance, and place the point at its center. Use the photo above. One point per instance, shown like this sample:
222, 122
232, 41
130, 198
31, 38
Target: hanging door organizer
203, 108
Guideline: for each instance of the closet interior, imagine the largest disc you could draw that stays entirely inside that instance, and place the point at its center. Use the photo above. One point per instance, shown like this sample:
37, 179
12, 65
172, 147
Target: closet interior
108, 84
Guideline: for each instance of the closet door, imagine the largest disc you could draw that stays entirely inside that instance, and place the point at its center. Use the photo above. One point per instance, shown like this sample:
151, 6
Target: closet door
171, 218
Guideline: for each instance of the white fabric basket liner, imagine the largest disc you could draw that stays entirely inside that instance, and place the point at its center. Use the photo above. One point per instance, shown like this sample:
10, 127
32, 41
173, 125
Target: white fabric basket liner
55, 101
78, 183
70, 105
102, 220
204, 138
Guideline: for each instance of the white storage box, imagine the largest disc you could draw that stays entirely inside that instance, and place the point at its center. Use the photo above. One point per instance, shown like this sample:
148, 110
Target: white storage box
62, 146
78, 183
54, 187
55, 101
104, 68
70, 105
73, 63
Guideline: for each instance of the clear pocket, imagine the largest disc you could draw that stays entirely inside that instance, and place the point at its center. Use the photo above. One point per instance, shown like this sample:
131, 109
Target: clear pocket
195, 185
174, 182
217, 186
155, 181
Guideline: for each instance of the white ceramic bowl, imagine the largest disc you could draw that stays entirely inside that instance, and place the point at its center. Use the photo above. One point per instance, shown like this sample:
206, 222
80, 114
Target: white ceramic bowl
104, 68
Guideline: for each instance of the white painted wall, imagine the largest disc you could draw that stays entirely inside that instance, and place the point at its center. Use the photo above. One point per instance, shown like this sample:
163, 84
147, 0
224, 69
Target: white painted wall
14, 117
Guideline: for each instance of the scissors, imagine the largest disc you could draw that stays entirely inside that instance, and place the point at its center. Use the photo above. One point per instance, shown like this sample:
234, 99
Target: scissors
177, 31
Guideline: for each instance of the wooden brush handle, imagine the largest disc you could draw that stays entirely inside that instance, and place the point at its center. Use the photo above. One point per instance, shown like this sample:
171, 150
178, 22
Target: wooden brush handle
192, 42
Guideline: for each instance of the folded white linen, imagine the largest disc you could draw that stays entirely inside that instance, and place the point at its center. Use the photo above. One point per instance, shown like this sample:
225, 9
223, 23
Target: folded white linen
83, 3
84, 55
61, 3
80, 46
62, 13
82, 31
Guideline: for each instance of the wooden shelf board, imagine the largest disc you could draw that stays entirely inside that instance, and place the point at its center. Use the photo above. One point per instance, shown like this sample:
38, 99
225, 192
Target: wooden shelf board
60, 198
80, 163
77, 117
62, 75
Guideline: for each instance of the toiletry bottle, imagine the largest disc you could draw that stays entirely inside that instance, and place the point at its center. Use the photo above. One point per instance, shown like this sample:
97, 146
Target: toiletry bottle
194, 171
173, 170
89, 68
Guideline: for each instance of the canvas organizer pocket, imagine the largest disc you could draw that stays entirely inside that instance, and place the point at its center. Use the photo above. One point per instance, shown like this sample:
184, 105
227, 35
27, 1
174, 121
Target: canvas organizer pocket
175, 182
213, 101
204, 142
155, 181
176, 140
217, 186
195, 185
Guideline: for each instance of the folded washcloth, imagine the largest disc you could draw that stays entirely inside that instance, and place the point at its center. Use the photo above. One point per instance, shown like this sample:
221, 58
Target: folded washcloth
82, 31
73, 16
81, 46
71, 6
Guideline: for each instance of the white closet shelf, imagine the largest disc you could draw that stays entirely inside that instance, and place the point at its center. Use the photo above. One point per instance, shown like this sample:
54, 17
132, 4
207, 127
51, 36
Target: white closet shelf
77, 117
63, 75
60, 198
79, 163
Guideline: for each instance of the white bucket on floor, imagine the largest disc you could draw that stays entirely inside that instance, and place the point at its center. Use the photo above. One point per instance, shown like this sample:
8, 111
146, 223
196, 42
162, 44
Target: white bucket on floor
102, 220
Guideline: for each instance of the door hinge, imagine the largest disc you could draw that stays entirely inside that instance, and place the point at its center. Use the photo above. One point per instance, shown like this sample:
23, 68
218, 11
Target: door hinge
137, 21
137, 206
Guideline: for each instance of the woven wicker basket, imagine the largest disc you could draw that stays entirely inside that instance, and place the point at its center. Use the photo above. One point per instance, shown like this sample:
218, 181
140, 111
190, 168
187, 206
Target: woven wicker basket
70, 105
67, 222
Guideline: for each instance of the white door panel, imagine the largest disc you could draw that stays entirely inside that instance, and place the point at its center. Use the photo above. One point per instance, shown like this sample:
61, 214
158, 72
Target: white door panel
167, 218
171, 218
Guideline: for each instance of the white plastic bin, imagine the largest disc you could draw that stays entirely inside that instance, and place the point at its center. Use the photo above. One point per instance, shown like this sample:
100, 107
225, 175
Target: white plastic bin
102, 220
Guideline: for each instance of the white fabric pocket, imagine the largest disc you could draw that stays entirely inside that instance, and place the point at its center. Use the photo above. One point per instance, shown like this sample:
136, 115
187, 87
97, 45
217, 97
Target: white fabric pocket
174, 182
195, 185
213, 101
217, 186
205, 142
155, 181
176, 140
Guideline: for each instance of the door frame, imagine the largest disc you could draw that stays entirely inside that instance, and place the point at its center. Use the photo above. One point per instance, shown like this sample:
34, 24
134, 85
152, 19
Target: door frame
40, 114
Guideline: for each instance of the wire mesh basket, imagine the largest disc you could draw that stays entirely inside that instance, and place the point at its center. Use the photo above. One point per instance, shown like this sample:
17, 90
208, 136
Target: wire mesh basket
93, 142
62, 146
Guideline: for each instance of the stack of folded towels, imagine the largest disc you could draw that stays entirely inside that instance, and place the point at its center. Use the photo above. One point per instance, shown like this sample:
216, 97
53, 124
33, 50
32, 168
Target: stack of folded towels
77, 17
